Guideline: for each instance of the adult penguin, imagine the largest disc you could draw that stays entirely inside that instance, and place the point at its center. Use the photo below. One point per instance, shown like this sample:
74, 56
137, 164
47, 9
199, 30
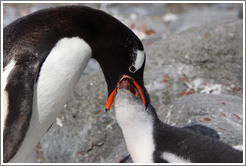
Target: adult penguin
44, 55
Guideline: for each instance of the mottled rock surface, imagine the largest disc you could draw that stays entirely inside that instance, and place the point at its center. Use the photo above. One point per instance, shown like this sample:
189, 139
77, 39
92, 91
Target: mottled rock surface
223, 113
207, 59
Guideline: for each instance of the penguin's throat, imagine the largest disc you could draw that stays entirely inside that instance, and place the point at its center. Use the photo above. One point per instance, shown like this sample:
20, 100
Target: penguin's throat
128, 83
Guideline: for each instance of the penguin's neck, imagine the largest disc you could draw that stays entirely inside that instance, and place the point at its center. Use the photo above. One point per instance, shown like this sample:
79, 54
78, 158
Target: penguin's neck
139, 142
137, 128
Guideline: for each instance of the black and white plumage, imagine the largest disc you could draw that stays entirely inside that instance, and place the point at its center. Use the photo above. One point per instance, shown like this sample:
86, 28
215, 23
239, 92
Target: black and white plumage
150, 140
44, 55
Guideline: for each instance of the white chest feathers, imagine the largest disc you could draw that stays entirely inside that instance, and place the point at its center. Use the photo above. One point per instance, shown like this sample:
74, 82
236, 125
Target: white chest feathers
136, 125
60, 73
57, 79
173, 158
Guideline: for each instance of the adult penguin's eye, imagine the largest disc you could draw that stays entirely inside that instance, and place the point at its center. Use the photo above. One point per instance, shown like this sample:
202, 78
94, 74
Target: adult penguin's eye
138, 63
132, 69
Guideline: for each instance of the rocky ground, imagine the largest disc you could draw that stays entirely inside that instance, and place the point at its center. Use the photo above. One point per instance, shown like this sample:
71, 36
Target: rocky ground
194, 74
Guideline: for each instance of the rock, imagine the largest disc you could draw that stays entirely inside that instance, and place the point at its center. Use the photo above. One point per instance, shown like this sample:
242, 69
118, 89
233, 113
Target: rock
207, 59
223, 113
240, 13
194, 18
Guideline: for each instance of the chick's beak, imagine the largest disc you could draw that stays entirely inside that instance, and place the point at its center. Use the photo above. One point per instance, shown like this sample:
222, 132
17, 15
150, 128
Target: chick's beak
137, 91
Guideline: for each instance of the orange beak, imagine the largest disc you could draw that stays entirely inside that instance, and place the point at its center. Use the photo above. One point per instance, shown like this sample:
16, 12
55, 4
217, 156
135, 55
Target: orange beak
110, 100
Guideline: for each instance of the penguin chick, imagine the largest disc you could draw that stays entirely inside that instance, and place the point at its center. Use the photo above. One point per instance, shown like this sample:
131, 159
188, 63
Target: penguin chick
150, 140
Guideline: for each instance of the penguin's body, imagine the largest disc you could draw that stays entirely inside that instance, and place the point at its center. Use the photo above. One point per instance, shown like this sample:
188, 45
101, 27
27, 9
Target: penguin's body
53, 88
45, 54
150, 140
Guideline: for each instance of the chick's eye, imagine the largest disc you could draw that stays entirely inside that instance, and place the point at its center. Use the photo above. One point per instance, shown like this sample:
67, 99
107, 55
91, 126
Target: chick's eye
138, 62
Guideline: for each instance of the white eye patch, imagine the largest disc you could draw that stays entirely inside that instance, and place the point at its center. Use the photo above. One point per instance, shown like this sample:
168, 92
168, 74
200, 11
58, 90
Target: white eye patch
138, 63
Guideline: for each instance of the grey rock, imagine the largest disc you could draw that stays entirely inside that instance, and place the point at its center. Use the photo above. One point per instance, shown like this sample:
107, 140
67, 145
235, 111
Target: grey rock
207, 59
223, 113
194, 18
240, 13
